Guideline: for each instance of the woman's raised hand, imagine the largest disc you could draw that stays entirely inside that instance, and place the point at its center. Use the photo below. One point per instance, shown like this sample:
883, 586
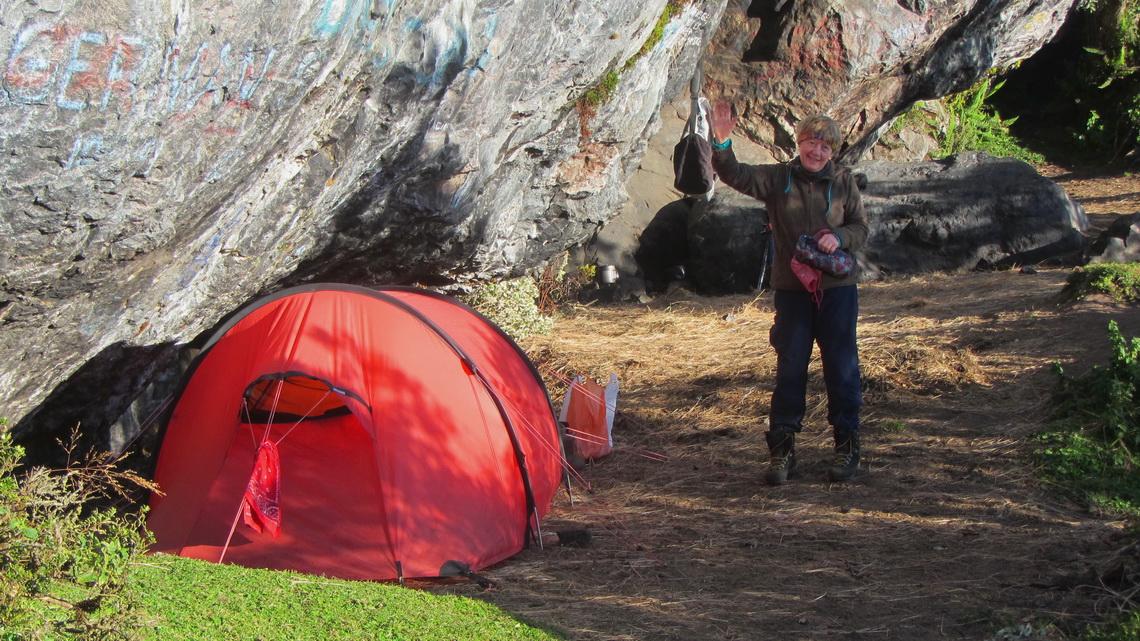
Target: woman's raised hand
723, 120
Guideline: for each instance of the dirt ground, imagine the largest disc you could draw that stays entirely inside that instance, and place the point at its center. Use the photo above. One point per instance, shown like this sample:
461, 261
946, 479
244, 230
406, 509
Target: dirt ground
946, 533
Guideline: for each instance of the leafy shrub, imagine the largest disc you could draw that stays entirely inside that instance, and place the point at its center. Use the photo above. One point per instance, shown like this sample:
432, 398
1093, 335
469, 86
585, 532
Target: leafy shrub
1105, 79
964, 122
1080, 95
973, 125
557, 287
1121, 281
512, 304
924, 115
64, 564
1093, 439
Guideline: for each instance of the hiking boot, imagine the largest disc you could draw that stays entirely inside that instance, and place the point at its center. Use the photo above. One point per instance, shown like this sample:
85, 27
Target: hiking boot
782, 463
846, 461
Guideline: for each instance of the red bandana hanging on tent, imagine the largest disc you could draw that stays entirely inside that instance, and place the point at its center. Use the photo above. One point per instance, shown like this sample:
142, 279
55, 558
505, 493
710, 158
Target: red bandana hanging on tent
261, 504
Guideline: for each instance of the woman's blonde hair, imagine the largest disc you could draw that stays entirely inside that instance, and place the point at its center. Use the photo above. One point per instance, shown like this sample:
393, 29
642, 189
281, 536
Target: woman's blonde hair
821, 127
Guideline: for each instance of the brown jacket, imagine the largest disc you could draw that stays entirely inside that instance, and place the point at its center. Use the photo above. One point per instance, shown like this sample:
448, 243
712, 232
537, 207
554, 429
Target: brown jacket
799, 203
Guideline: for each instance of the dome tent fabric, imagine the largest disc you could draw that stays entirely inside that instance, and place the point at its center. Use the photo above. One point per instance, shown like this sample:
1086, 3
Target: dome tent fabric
411, 433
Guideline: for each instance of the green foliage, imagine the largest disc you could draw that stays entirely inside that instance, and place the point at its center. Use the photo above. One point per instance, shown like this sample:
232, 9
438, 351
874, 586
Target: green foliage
1125, 627
1093, 439
1101, 87
1115, 37
64, 565
191, 600
972, 125
1121, 281
600, 93
513, 305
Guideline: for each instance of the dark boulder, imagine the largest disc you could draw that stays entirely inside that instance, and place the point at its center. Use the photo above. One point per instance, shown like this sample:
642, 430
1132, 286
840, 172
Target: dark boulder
967, 211
663, 251
728, 244
717, 246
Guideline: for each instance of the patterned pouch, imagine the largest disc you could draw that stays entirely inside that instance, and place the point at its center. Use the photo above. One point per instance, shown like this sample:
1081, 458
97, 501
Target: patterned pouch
838, 263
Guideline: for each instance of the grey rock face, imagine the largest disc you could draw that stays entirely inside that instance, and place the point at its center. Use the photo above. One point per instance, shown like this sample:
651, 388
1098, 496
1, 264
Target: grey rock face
864, 62
165, 162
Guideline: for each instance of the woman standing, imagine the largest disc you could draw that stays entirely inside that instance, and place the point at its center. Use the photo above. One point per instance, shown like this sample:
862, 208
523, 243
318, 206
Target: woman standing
810, 196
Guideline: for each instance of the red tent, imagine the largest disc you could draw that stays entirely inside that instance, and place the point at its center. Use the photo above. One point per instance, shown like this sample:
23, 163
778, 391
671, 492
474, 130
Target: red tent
410, 431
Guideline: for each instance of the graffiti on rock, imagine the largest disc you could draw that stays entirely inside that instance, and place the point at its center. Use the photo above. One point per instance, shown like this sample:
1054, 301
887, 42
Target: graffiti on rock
71, 68
218, 85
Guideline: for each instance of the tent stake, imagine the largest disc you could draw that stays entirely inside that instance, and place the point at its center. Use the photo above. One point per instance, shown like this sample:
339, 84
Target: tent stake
233, 527
538, 529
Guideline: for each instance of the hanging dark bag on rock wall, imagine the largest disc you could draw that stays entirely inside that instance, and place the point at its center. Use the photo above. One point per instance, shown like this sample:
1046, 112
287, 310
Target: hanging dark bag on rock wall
692, 156
692, 165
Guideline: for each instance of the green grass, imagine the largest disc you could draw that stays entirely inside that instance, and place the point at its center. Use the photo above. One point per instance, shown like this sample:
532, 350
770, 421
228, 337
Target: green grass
1121, 281
1090, 449
185, 599
893, 426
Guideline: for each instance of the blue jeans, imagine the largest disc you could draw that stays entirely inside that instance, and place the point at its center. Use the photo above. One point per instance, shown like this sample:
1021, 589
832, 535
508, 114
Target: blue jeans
798, 325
